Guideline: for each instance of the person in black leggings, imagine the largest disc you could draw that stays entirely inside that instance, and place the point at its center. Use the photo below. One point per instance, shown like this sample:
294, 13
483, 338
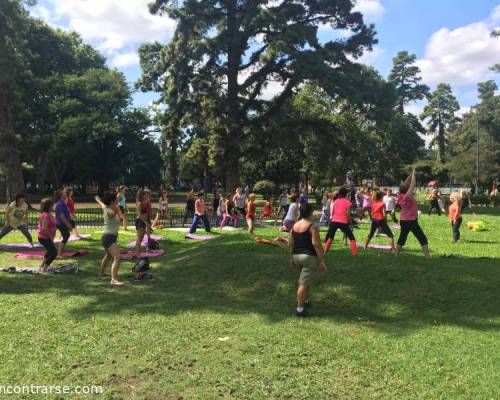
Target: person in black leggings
46, 233
409, 215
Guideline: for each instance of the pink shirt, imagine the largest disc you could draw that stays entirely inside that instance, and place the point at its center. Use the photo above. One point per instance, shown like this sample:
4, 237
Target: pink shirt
51, 225
409, 209
367, 201
340, 210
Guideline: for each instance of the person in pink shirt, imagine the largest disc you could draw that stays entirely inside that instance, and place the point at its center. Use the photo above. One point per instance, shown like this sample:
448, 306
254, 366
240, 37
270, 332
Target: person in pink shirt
409, 216
46, 233
367, 204
339, 219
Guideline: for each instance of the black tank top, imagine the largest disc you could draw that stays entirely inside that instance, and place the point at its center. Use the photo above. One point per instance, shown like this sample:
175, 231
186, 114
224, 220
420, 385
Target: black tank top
302, 242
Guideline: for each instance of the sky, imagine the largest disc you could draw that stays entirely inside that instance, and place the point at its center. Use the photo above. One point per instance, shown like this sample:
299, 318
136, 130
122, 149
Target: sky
451, 38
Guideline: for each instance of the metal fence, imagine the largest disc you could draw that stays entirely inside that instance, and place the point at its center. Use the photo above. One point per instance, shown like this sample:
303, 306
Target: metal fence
92, 217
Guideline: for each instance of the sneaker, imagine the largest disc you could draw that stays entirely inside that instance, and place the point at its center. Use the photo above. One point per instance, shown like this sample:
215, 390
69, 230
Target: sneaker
303, 314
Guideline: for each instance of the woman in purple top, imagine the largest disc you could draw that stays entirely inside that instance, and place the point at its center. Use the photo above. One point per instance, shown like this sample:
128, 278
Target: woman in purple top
63, 219
409, 216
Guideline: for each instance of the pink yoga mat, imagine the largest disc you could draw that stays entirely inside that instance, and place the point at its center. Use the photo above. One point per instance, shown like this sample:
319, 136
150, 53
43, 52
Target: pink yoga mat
145, 241
19, 246
395, 227
198, 237
375, 246
74, 238
40, 254
150, 253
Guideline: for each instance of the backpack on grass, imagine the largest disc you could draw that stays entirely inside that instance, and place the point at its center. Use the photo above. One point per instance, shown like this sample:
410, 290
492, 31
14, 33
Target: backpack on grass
140, 270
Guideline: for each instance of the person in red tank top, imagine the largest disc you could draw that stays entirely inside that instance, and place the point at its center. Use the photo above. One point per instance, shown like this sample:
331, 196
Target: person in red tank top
251, 210
267, 211
72, 210
378, 219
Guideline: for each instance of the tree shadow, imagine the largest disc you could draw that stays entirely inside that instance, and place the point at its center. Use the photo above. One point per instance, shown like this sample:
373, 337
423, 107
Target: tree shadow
233, 275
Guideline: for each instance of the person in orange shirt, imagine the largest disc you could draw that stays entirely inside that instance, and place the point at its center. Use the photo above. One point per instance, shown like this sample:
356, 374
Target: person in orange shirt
378, 219
267, 212
200, 213
455, 215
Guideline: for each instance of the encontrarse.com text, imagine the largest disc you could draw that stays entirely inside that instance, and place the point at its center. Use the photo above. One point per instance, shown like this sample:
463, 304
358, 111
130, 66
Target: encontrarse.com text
46, 389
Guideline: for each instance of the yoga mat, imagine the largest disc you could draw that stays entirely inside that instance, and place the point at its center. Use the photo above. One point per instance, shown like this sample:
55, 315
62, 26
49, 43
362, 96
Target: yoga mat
19, 246
56, 269
375, 246
198, 237
231, 228
145, 241
74, 238
150, 253
40, 254
178, 229
121, 232
395, 227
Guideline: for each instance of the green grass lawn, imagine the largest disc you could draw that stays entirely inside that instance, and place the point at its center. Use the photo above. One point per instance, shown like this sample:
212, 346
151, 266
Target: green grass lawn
218, 321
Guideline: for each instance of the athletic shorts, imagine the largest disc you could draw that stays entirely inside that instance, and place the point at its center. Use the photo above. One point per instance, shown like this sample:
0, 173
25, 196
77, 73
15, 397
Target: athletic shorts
267, 214
252, 217
242, 210
122, 209
139, 224
308, 267
107, 239
382, 224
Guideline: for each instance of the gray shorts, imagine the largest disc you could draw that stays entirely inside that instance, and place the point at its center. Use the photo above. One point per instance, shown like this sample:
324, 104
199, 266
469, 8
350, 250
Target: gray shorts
308, 267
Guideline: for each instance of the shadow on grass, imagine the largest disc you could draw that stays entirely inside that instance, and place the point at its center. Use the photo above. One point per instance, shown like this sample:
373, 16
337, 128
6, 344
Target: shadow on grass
233, 275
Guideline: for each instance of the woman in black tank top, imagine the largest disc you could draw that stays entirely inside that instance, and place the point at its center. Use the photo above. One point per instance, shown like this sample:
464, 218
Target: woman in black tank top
306, 253
302, 242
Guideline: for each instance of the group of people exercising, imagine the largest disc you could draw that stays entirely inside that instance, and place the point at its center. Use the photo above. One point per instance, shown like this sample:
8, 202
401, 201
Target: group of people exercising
305, 248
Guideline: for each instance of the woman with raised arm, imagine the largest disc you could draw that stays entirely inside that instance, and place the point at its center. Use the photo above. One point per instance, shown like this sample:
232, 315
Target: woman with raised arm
109, 239
306, 253
409, 215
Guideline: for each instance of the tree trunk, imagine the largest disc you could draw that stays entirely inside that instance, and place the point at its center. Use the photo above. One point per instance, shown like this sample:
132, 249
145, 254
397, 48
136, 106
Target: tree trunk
10, 158
232, 142
441, 142
173, 170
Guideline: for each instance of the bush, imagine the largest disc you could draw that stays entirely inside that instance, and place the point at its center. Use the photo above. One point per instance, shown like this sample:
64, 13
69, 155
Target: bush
264, 187
495, 201
480, 199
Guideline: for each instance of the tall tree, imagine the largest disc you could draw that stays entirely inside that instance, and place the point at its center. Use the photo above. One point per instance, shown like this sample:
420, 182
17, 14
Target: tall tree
12, 26
405, 76
440, 114
237, 48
